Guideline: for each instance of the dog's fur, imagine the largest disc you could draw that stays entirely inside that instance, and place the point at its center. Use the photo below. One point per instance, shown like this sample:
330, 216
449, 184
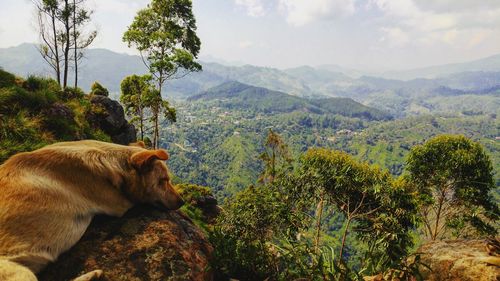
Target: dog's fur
49, 196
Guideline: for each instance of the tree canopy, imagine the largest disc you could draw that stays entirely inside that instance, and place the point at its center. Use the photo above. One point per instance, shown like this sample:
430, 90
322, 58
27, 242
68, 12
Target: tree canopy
165, 35
453, 176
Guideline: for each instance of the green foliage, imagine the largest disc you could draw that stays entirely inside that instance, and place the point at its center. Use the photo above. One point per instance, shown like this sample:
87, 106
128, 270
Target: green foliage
453, 176
191, 193
251, 220
388, 144
276, 157
98, 89
38, 113
7, 79
375, 206
70, 93
15, 98
239, 96
136, 96
34, 83
165, 33
265, 232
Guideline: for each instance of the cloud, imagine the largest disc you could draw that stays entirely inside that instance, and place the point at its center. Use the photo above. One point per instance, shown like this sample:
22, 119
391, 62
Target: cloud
254, 8
447, 6
302, 12
246, 44
395, 37
430, 22
433, 15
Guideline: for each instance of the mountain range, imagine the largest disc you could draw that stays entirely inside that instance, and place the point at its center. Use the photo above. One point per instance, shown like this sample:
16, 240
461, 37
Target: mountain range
479, 80
238, 96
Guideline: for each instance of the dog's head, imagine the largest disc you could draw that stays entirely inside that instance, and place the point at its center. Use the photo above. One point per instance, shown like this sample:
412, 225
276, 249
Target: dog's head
151, 181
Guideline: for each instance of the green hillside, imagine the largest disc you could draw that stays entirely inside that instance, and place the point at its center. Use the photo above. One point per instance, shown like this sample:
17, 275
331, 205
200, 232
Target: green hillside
35, 112
224, 135
239, 96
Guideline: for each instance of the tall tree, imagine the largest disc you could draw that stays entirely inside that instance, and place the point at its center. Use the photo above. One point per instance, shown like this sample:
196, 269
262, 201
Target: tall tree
61, 25
81, 39
48, 27
165, 35
371, 204
65, 17
453, 176
275, 156
135, 94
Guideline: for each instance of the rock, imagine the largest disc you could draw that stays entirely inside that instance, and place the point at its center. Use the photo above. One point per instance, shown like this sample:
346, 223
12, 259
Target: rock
208, 205
111, 119
456, 260
146, 244
60, 111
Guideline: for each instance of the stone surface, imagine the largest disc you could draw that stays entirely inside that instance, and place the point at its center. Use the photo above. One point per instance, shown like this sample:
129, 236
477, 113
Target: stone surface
458, 260
112, 120
146, 244
208, 206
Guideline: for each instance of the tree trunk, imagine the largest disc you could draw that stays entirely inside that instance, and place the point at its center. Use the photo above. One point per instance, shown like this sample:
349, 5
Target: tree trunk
319, 215
273, 165
75, 42
157, 114
344, 236
67, 37
438, 216
141, 120
56, 47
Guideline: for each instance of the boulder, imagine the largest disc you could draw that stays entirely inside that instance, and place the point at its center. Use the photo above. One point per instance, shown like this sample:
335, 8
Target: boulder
110, 118
145, 244
208, 206
454, 260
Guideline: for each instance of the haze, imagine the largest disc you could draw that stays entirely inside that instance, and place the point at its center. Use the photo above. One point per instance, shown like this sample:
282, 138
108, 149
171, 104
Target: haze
371, 35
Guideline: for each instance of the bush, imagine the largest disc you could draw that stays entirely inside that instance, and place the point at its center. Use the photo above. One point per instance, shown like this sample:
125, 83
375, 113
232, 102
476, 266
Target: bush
98, 89
20, 133
192, 192
34, 83
36, 112
7, 79
15, 98
72, 93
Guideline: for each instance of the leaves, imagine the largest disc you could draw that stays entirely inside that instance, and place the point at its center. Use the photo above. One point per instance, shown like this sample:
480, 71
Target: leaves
457, 175
165, 34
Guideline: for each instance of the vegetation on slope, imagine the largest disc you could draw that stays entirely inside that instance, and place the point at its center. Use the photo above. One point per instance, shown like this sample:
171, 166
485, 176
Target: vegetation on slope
35, 112
238, 96
199, 156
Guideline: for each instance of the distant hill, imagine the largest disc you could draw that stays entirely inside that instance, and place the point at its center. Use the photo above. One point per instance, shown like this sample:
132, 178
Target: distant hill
488, 64
102, 65
478, 81
109, 68
236, 95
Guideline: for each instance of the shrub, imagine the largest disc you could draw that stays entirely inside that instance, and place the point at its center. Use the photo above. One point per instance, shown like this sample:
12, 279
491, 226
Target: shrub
72, 93
98, 89
34, 83
15, 98
21, 132
7, 79
192, 192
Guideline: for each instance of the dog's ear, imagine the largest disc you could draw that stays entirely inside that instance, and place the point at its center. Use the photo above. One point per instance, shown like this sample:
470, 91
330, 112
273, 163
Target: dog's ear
143, 159
140, 144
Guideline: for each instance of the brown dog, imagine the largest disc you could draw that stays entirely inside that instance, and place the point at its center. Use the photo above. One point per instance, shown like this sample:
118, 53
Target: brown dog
49, 196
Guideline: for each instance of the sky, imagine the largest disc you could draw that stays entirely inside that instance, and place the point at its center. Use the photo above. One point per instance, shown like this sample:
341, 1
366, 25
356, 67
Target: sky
368, 35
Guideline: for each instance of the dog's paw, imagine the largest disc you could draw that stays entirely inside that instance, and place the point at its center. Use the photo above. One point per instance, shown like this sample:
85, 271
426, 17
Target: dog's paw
93, 275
